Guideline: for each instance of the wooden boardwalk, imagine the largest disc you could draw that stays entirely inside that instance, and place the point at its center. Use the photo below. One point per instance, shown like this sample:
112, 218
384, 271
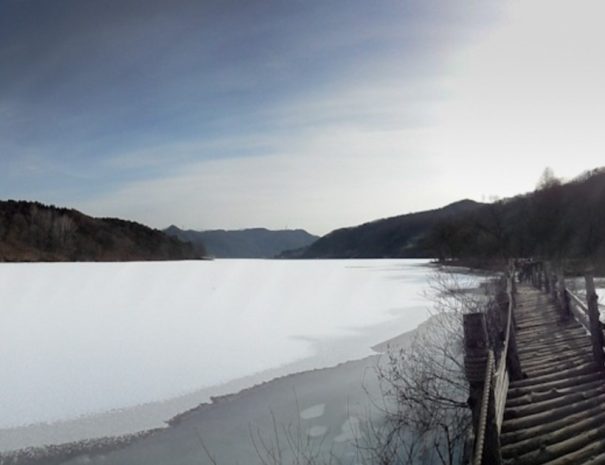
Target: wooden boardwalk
556, 414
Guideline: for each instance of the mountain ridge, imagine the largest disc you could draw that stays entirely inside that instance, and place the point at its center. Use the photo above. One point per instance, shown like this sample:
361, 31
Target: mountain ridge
401, 236
256, 242
557, 220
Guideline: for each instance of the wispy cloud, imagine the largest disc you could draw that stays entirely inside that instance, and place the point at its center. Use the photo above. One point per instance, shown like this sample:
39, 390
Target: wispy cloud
227, 113
331, 177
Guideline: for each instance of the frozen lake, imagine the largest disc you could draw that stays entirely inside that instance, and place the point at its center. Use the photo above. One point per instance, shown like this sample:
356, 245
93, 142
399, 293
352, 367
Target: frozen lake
82, 338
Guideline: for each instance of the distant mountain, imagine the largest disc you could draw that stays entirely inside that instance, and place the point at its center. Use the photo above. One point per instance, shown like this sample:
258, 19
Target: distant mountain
402, 236
245, 243
31, 231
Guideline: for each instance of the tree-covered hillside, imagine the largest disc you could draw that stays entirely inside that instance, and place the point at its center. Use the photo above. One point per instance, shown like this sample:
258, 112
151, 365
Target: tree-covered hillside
31, 231
557, 220
401, 236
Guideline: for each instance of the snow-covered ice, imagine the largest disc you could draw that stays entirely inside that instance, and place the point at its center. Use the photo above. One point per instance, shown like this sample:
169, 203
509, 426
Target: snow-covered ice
83, 338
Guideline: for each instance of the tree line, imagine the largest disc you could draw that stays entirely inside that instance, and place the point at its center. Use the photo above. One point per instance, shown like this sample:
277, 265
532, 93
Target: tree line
31, 231
557, 220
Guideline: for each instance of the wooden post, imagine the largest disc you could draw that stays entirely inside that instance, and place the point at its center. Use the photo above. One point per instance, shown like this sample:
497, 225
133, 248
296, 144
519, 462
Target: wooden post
596, 332
563, 297
539, 276
553, 285
513, 283
546, 273
512, 357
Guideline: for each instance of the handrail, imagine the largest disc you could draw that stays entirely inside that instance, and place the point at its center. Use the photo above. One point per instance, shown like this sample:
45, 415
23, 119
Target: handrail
502, 377
579, 309
480, 440
509, 293
496, 379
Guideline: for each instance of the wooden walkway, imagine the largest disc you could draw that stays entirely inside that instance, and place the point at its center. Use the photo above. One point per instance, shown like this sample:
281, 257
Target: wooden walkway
556, 414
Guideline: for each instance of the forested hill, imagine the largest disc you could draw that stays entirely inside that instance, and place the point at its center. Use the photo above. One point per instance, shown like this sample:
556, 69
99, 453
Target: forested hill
557, 220
31, 231
245, 243
404, 236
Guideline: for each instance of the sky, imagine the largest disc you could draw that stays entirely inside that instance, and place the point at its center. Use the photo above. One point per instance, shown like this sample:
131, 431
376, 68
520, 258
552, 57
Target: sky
316, 114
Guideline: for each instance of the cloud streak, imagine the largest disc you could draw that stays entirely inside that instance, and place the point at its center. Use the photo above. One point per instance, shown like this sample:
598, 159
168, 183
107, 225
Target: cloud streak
316, 189
296, 107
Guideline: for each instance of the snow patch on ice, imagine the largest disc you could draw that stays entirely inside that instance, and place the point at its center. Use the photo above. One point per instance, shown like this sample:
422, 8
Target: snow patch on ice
317, 431
350, 430
315, 411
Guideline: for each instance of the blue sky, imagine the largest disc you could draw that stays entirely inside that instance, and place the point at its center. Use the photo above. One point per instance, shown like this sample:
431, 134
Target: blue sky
291, 113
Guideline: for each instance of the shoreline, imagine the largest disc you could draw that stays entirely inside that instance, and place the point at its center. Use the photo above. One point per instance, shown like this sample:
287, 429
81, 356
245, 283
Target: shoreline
204, 407
187, 326
99, 448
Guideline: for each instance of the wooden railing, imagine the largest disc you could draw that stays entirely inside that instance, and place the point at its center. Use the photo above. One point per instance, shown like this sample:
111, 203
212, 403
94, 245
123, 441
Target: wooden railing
578, 309
495, 387
588, 316
501, 378
490, 390
586, 313
484, 410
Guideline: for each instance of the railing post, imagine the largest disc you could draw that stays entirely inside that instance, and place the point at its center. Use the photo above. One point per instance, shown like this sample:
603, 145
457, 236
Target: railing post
513, 283
554, 278
564, 304
546, 273
512, 356
596, 331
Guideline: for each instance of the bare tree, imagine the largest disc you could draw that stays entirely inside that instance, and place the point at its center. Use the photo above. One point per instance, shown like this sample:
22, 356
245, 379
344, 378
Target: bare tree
547, 179
424, 416
289, 444
425, 392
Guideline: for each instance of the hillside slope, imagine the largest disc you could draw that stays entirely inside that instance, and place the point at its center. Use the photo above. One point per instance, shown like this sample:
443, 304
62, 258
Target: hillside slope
556, 221
400, 236
245, 243
31, 231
